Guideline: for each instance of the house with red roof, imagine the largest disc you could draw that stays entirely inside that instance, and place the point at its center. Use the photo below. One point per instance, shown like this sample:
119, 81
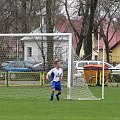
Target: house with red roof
114, 44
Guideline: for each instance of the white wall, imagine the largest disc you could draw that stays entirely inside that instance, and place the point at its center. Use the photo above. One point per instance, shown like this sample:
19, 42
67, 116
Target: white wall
34, 47
36, 53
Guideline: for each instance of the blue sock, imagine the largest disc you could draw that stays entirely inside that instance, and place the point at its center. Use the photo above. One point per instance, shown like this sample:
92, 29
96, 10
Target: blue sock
51, 97
58, 93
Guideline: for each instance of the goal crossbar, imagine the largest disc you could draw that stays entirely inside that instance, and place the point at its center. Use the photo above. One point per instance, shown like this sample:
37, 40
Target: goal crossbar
34, 34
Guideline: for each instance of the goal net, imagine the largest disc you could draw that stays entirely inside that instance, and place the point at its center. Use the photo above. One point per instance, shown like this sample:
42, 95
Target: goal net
26, 58
83, 84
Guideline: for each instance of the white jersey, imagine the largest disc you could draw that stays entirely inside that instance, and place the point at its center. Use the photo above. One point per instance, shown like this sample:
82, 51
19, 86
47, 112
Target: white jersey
55, 74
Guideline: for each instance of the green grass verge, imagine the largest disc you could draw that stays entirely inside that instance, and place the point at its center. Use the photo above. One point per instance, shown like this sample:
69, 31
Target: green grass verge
19, 103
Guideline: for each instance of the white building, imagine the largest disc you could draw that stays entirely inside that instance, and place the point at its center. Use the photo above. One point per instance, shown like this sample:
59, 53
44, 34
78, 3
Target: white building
35, 46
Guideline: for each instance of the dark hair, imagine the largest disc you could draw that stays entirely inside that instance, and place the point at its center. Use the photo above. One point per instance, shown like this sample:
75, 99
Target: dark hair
56, 61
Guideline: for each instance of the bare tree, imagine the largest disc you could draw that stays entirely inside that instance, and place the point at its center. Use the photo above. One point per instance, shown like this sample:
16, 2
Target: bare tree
17, 16
89, 11
109, 11
52, 8
86, 11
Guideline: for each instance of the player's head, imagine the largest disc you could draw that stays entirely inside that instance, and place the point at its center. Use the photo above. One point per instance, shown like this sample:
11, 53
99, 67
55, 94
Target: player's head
57, 63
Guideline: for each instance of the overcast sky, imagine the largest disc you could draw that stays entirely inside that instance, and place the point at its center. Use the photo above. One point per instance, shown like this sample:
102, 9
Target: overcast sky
71, 8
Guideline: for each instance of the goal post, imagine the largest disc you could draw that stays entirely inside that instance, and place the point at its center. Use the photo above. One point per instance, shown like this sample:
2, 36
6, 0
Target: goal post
76, 86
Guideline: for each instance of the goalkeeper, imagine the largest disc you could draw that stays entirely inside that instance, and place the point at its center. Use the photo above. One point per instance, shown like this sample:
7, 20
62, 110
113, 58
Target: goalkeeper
55, 76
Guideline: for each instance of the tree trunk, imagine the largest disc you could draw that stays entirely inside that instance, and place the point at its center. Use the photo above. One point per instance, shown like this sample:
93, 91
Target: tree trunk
107, 51
86, 26
79, 44
24, 15
105, 39
88, 48
49, 29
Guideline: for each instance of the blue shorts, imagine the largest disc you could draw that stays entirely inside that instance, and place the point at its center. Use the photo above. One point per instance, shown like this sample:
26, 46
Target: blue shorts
56, 85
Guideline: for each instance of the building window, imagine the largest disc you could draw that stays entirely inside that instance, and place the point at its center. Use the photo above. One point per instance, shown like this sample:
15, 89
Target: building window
96, 57
29, 51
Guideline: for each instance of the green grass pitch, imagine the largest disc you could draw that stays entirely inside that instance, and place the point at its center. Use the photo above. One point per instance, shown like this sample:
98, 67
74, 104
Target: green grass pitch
19, 103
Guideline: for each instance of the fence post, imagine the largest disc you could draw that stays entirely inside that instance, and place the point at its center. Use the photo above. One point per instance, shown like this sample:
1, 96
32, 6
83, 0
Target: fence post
6, 79
40, 78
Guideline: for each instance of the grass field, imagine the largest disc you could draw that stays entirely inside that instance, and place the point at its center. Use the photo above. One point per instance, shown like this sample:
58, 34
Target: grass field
33, 104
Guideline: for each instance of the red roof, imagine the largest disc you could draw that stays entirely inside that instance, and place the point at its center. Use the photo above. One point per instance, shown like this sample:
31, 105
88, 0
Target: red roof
115, 39
64, 26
